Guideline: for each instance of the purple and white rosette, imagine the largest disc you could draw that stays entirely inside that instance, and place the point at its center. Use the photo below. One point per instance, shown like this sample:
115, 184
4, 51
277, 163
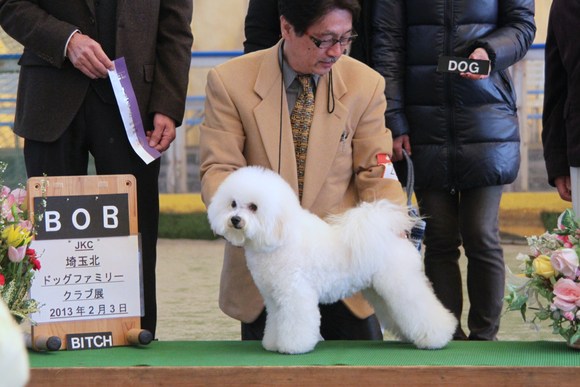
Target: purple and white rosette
129, 109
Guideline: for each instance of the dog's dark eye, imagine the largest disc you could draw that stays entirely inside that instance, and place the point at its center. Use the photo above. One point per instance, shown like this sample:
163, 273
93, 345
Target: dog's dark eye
234, 204
253, 207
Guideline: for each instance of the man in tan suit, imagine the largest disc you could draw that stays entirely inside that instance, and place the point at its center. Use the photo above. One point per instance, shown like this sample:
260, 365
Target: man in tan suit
247, 122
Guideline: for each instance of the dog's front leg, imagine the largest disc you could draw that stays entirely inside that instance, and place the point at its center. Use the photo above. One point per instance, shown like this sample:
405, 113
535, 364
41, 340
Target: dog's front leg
298, 322
270, 340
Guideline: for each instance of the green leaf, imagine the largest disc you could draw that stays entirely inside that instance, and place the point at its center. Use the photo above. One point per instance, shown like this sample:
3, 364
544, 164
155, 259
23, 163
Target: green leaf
543, 314
568, 219
523, 310
575, 337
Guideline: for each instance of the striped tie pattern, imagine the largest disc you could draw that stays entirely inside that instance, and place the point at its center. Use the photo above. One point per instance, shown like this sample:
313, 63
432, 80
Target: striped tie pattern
301, 119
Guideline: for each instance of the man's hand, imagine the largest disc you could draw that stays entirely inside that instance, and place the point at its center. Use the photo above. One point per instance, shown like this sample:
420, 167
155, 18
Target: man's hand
479, 54
564, 187
400, 143
163, 132
88, 56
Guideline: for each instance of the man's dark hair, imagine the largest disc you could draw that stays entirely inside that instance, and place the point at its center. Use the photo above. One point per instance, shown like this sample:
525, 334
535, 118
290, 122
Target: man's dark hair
301, 14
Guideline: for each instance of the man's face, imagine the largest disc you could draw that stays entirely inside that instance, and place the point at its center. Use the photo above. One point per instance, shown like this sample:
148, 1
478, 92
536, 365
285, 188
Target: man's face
302, 53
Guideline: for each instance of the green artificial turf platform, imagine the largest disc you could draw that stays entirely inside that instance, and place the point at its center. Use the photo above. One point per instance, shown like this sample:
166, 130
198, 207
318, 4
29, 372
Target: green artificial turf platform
329, 353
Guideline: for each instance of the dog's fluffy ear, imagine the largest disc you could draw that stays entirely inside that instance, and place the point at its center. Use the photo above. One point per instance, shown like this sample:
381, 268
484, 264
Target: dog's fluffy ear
218, 212
273, 236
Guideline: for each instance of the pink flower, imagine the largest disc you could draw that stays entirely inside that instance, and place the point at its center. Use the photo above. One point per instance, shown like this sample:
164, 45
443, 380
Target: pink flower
16, 254
6, 210
569, 316
567, 294
19, 195
565, 261
562, 305
26, 224
4, 191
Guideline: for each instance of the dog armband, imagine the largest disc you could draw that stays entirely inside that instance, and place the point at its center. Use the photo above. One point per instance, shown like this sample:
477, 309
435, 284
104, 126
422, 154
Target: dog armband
389, 172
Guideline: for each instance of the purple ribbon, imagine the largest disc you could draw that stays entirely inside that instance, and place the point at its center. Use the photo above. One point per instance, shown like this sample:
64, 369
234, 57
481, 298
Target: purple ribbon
129, 110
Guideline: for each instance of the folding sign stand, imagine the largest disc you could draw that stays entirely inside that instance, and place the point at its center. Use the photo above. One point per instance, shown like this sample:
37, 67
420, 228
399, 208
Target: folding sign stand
89, 286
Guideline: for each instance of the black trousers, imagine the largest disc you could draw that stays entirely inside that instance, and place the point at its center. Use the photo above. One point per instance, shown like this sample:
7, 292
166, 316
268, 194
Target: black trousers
98, 129
470, 219
336, 323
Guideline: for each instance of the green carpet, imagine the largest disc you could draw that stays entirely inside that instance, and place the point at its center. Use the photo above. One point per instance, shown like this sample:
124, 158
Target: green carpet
329, 353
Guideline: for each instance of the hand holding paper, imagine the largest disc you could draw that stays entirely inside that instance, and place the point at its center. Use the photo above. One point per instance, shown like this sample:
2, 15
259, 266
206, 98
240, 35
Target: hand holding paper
163, 134
476, 67
88, 56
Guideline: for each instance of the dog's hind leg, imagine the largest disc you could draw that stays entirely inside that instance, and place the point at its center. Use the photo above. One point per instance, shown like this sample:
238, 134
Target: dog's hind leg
419, 315
383, 313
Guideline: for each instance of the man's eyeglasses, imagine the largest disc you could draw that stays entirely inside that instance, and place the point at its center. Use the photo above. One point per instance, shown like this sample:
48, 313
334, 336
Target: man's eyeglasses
327, 43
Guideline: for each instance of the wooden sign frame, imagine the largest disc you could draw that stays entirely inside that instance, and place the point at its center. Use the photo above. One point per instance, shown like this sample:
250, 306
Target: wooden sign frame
87, 185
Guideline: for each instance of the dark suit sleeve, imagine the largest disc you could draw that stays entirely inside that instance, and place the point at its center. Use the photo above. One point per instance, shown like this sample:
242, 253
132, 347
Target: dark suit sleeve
262, 25
173, 59
37, 29
554, 137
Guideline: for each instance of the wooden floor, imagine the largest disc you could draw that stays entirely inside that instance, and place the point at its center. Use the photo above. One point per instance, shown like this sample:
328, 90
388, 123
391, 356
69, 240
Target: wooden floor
307, 376
332, 363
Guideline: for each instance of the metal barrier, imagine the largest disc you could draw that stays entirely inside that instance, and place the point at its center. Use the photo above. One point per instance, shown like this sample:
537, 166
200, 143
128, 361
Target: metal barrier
528, 77
180, 164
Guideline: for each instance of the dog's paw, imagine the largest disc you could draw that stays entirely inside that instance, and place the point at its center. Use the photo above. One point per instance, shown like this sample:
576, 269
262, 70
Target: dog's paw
439, 331
297, 345
269, 343
296, 349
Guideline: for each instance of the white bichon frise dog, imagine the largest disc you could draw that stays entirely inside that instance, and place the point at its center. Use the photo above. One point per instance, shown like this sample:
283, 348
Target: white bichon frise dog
298, 260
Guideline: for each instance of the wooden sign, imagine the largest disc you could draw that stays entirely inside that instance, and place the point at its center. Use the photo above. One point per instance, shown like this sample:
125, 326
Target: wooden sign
87, 238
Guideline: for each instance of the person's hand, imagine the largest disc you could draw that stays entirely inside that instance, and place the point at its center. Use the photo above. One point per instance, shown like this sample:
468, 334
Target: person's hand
87, 55
400, 143
478, 54
564, 187
163, 132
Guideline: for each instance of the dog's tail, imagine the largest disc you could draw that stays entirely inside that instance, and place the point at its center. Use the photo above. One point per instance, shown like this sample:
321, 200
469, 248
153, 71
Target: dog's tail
374, 217
373, 227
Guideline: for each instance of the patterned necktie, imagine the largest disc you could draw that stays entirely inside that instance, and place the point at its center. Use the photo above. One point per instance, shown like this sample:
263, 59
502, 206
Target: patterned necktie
301, 119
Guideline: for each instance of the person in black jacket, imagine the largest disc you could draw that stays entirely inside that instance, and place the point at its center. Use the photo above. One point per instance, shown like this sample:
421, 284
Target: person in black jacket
462, 133
262, 25
561, 114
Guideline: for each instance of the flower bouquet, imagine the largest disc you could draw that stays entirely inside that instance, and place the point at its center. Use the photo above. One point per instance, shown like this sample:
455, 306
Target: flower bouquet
18, 262
550, 280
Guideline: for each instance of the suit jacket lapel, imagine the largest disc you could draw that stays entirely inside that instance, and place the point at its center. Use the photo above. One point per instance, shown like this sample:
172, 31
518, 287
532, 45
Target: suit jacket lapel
273, 118
91, 5
120, 8
325, 132
325, 136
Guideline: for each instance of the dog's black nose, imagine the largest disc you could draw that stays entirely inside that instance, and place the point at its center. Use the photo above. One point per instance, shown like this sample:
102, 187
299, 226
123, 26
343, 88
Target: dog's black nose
236, 220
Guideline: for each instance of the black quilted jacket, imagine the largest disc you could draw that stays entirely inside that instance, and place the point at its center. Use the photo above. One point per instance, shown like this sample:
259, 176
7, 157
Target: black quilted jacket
464, 133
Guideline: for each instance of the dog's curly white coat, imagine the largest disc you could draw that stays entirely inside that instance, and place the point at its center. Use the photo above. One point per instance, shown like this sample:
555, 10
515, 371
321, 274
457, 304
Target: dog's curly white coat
298, 260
